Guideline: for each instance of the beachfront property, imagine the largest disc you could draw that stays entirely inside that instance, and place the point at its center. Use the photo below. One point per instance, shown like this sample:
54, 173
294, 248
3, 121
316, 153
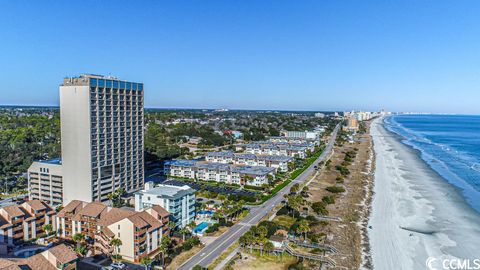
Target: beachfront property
313, 134
19, 223
222, 172
298, 150
140, 232
179, 201
45, 181
294, 140
182, 168
229, 157
59, 257
351, 124
102, 137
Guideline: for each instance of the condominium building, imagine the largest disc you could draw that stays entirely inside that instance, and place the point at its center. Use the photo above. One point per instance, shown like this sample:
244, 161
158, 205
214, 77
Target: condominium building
179, 201
279, 149
140, 232
24, 222
315, 135
294, 140
351, 124
45, 181
182, 168
102, 136
274, 161
222, 172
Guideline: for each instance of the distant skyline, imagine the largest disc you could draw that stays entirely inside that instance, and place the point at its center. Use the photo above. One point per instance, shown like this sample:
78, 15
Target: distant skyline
417, 56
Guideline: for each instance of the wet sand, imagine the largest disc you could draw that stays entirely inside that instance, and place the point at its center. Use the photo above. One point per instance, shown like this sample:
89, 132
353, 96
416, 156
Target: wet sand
416, 214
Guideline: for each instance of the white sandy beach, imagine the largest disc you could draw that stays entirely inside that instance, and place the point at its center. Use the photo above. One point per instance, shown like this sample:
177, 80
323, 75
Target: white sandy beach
415, 213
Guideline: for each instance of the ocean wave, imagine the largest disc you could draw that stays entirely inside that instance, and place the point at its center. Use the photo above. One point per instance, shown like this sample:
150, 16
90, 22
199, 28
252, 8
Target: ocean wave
457, 167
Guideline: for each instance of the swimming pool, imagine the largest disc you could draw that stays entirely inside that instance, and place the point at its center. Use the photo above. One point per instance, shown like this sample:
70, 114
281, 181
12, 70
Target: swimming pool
202, 226
205, 212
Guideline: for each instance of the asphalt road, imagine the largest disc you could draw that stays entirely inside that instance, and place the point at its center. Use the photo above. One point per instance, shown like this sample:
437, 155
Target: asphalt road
210, 252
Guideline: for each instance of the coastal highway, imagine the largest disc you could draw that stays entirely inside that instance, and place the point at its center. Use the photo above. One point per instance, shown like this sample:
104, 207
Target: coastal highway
211, 251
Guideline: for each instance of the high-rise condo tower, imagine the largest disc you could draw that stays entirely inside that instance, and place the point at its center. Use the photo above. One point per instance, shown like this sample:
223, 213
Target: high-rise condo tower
102, 137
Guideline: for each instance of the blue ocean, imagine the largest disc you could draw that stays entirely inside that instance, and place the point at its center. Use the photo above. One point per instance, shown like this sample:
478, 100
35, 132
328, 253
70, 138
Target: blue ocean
449, 144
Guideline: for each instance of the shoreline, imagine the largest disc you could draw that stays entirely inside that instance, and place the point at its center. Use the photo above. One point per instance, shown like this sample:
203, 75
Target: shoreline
416, 213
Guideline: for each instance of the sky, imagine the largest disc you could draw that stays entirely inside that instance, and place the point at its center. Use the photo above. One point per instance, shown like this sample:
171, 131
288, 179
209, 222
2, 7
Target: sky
419, 55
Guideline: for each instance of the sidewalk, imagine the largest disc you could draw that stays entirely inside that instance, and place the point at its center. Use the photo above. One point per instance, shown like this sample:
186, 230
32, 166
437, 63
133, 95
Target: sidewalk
223, 263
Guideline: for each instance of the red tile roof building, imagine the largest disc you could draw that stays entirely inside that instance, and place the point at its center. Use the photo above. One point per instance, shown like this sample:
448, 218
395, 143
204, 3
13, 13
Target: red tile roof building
140, 232
24, 222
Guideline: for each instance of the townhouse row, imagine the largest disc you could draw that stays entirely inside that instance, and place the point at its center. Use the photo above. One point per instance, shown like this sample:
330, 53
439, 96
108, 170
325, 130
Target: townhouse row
222, 172
278, 162
140, 232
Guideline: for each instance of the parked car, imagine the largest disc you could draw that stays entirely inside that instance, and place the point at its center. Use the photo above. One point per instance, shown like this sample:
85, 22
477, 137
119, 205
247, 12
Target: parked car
107, 268
118, 265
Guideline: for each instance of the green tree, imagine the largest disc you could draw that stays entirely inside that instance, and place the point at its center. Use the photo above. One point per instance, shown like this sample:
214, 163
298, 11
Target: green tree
115, 243
268, 247
303, 228
295, 188
78, 238
47, 228
146, 261
164, 244
184, 231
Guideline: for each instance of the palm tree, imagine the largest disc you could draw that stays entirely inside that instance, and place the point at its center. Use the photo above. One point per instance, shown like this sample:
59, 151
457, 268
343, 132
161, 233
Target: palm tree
247, 239
171, 225
47, 228
294, 204
295, 188
78, 238
146, 261
183, 231
268, 247
164, 247
115, 243
262, 232
192, 225
303, 228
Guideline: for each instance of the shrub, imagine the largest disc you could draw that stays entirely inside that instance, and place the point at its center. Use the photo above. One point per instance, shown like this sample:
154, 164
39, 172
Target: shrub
319, 208
328, 199
297, 266
282, 211
212, 228
253, 187
186, 246
335, 189
316, 237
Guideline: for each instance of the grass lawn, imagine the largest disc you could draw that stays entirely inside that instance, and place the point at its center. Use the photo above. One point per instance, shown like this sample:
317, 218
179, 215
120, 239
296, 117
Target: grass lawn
284, 220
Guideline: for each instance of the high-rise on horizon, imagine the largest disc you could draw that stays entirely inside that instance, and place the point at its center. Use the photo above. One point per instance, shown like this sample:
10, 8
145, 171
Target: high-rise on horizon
101, 136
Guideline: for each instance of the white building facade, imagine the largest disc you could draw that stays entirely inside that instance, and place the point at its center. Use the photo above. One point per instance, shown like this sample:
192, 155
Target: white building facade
179, 201
45, 181
102, 137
